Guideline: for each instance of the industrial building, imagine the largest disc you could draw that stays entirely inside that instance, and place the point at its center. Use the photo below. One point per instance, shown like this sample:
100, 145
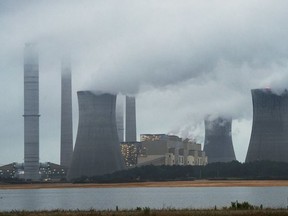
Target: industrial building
156, 146
218, 144
31, 112
66, 150
192, 154
97, 148
47, 171
130, 120
130, 152
52, 172
162, 149
9, 171
269, 136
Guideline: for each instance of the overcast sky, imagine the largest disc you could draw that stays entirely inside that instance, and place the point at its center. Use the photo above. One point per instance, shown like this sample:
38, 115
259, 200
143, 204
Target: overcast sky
181, 59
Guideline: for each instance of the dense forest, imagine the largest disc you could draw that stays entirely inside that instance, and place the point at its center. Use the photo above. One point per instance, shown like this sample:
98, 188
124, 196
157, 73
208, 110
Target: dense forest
231, 170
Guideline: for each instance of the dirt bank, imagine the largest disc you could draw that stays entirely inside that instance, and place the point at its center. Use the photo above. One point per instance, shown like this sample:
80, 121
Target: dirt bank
197, 183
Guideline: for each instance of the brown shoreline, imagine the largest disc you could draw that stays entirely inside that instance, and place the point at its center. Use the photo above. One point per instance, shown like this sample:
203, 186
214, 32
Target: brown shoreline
197, 183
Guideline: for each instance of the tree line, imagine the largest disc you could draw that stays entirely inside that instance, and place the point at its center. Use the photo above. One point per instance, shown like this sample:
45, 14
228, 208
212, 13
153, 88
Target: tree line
261, 170
231, 170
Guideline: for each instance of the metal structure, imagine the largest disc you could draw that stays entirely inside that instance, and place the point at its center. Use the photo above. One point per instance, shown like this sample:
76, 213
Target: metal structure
218, 144
269, 136
97, 148
66, 114
31, 113
130, 120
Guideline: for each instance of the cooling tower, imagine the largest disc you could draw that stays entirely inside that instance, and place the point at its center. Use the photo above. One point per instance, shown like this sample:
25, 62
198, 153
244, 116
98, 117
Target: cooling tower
31, 113
97, 148
218, 144
130, 123
66, 114
269, 136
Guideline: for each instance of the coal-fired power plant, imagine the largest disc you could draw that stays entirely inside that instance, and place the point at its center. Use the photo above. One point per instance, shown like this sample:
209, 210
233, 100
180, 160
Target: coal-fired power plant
130, 120
97, 147
218, 144
269, 136
31, 113
66, 150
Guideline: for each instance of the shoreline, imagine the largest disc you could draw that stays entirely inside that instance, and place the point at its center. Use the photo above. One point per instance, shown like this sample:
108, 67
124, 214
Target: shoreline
195, 183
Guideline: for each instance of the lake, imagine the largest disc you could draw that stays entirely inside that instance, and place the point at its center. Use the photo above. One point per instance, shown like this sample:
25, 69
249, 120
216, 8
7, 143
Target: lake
130, 198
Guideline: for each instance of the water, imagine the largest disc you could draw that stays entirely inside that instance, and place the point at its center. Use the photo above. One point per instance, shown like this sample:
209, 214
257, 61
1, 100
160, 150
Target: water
130, 198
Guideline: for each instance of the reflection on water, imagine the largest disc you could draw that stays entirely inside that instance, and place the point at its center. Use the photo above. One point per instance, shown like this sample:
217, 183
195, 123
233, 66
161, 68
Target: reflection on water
128, 198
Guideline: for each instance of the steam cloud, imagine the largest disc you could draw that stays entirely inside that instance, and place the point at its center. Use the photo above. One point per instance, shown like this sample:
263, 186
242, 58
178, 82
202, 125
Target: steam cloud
182, 60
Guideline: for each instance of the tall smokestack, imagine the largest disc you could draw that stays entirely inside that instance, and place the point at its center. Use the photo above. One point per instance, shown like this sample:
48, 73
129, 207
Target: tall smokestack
120, 117
31, 113
130, 123
218, 144
269, 136
97, 148
66, 114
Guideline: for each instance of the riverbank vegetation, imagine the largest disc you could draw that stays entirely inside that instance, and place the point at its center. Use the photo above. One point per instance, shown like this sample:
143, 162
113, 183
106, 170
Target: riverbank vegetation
236, 208
258, 170
147, 211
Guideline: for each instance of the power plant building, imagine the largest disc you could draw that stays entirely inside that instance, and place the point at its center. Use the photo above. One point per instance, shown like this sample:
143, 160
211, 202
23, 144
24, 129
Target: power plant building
31, 113
130, 123
66, 114
269, 136
97, 147
163, 149
156, 147
192, 154
130, 152
218, 144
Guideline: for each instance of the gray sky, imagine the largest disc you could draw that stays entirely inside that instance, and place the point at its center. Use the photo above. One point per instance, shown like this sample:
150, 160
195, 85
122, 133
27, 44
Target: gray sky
182, 59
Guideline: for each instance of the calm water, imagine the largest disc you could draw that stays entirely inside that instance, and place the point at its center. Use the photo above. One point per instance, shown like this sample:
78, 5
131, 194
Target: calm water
128, 198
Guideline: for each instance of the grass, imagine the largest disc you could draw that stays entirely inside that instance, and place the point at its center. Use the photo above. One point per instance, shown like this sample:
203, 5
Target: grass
236, 208
152, 212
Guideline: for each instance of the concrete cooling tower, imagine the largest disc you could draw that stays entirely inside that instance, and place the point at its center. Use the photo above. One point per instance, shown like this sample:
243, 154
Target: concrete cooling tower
97, 148
218, 144
269, 136
31, 113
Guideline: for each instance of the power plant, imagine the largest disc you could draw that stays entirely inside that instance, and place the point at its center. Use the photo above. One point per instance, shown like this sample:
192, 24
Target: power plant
97, 147
101, 129
269, 136
218, 144
66, 150
130, 120
31, 113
